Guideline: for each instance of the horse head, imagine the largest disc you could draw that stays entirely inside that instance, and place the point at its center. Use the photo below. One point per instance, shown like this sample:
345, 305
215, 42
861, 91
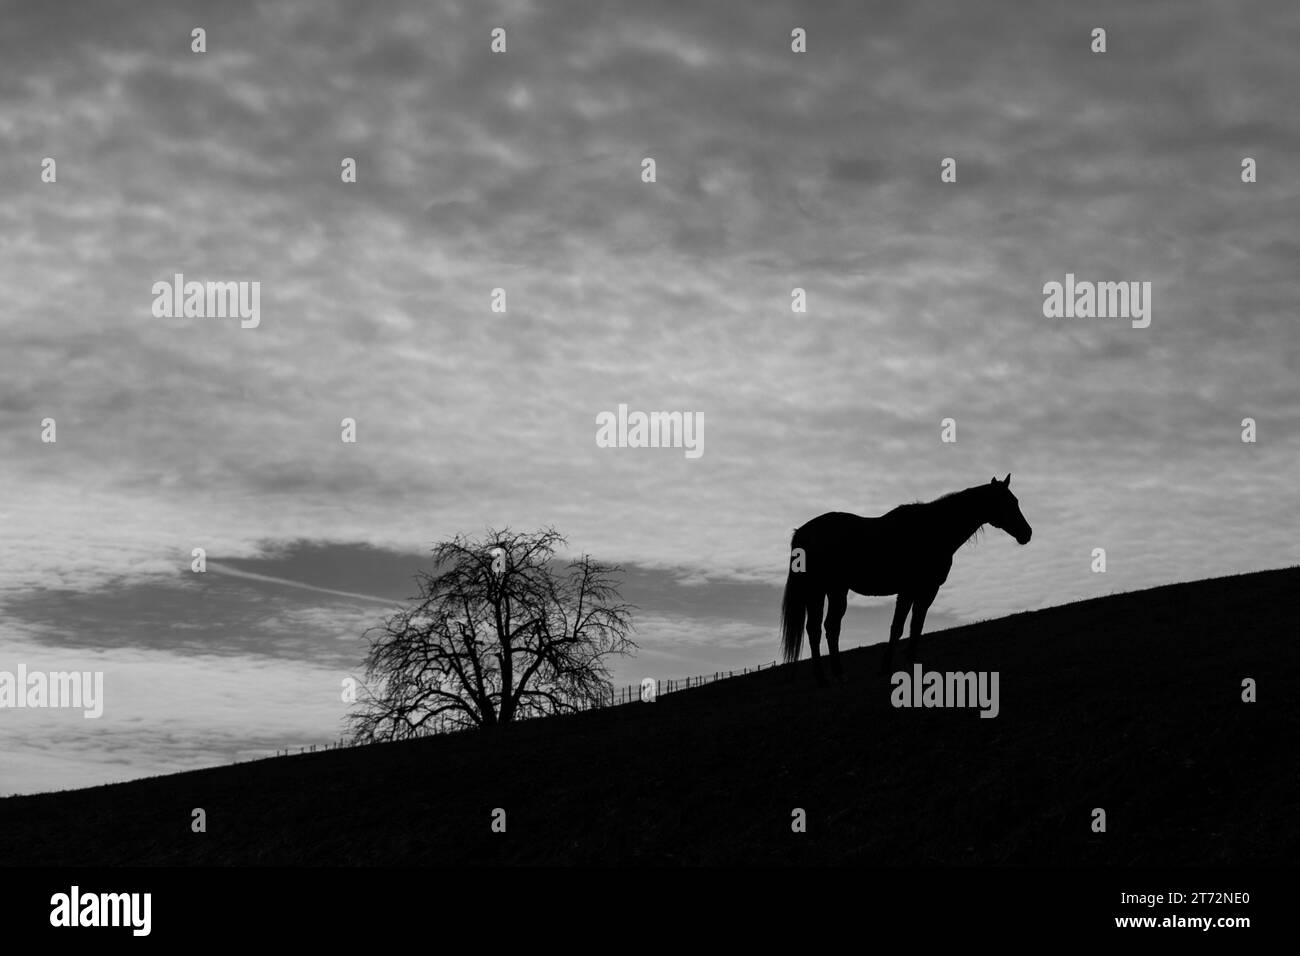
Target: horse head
1005, 511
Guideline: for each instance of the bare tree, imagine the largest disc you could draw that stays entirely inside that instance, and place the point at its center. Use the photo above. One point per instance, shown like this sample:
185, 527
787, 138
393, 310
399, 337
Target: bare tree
503, 631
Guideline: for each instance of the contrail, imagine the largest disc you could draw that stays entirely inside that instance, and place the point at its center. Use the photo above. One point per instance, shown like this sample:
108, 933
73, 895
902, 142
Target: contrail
222, 569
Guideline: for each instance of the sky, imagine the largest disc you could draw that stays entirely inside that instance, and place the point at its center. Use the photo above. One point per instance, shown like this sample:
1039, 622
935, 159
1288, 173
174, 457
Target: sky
523, 170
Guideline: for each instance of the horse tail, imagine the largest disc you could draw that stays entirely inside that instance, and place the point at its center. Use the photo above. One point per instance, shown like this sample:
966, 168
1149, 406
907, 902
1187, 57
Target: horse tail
794, 610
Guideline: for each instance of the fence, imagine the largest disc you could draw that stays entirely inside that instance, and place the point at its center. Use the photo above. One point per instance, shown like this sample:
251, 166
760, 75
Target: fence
634, 693
629, 694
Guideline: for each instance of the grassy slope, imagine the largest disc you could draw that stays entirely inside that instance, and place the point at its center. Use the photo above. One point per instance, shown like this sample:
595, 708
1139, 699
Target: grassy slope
1131, 703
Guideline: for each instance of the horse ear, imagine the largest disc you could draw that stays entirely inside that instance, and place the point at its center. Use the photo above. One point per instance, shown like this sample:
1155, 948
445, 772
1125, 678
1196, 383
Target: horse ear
1007, 480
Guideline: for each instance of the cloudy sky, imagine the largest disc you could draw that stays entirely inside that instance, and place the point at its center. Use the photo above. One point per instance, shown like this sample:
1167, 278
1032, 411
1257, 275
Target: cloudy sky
522, 171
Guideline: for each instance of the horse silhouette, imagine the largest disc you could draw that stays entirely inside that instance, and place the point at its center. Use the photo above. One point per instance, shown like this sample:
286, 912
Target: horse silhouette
907, 552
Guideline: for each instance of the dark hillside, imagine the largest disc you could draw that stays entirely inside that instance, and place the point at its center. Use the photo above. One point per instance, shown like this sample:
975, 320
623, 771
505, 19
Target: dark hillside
1131, 703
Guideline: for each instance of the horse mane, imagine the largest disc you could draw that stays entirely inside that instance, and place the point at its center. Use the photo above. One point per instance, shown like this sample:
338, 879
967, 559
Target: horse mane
954, 494
979, 530
950, 495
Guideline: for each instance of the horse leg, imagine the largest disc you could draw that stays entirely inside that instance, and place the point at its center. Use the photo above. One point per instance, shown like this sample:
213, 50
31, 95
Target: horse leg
895, 630
922, 604
837, 603
816, 604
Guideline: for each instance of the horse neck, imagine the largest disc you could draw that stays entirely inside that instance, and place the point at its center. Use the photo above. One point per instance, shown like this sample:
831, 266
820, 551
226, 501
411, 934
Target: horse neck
961, 515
